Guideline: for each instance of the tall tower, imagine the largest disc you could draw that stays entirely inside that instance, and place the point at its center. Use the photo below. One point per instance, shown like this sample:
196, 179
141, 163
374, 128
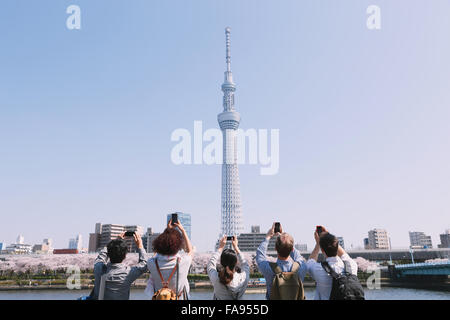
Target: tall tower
229, 122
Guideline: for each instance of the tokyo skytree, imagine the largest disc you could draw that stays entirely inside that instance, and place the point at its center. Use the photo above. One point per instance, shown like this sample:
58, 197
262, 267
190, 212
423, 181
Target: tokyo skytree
229, 122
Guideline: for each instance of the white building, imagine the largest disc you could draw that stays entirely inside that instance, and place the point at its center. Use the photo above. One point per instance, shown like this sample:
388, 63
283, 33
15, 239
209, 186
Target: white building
249, 242
378, 239
45, 247
20, 239
419, 239
109, 232
302, 247
19, 248
130, 241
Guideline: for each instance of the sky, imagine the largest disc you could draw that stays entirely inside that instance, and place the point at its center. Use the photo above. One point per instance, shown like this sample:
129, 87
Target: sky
86, 115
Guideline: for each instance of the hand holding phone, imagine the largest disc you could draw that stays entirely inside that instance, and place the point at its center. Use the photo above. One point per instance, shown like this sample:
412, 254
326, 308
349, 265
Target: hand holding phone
129, 234
174, 218
277, 228
319, 230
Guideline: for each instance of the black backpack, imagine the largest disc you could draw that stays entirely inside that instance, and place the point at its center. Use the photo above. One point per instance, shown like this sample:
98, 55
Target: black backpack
346, 286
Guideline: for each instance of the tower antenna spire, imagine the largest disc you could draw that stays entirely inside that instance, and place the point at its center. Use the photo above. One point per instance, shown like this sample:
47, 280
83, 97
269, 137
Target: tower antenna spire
228, 55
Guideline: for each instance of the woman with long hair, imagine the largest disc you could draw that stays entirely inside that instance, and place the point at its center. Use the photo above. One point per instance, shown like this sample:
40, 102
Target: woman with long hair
229, 280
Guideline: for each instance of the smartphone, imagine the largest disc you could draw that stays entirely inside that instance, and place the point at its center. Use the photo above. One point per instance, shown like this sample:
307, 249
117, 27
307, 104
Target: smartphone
319, 230
277, 227
129, 234
174, 218
230, 238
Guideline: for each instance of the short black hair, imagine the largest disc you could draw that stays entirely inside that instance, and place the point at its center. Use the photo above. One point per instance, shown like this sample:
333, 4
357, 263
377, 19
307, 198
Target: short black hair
329, 244
117, 250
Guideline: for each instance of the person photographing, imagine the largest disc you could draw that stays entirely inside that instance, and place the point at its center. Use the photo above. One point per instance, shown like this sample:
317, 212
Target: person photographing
284, 278
169, 267
113, 279
228, 279
336, 277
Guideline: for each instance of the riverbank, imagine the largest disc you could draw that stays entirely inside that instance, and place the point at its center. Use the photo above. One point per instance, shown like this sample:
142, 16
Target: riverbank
384, 293
260, 288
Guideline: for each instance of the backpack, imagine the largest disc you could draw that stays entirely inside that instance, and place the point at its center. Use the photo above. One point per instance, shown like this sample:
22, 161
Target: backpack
286, 285
165, 293
346, 286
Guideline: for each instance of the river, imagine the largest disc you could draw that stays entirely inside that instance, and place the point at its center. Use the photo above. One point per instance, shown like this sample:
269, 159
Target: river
138, 294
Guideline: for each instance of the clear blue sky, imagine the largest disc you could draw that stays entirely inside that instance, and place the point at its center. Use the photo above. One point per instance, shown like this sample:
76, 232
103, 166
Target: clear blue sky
86, 115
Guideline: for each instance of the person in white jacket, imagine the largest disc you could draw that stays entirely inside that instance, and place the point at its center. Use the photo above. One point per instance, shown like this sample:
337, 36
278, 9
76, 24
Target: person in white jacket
229, 281
335, 256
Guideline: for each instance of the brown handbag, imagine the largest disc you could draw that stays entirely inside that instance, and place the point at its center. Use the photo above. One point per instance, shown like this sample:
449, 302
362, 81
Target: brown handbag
165, 293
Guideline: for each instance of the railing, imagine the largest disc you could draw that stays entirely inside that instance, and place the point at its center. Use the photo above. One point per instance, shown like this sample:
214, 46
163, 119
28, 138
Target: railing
422, 265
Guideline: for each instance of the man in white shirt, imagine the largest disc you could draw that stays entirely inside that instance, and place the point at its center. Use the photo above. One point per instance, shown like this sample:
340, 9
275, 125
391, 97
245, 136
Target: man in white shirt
336, 257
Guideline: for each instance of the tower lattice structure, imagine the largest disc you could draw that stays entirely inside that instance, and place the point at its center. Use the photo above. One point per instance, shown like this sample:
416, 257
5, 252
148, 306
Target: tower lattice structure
229, 122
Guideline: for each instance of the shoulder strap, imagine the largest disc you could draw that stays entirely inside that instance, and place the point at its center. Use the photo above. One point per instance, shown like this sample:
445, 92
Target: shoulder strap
159, 272
178, 276
329, 270
166, 283
101, 291
275, 268
173, 272
295, 267
347, 267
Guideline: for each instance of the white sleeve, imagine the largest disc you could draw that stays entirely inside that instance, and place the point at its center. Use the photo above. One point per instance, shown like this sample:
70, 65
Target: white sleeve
246, 275
353, 265
211, 267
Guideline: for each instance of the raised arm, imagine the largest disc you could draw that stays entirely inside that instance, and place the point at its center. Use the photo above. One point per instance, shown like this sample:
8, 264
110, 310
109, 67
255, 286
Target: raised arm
261, 254
141, 267
245, 268
296, 256
187, 241
348, 261
212, 264
244, 264
315, 253
99, 269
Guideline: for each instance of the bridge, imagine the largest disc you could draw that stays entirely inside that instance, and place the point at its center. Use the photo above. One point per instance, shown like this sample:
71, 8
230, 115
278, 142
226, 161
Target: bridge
402, 254
435, 275
423, 269
419, 255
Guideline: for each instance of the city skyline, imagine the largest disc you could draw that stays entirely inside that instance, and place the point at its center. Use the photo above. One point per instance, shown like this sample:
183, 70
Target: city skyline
419, 238
86, 116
